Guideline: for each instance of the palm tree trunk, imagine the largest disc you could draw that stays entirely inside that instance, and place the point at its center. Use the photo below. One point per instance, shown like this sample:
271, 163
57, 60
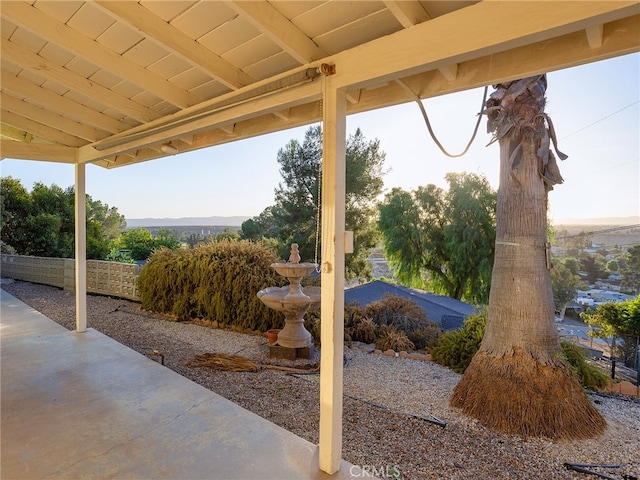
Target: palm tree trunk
516, 382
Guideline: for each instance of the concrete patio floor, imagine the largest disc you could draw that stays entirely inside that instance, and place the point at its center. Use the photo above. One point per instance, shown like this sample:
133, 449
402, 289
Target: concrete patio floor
84, 406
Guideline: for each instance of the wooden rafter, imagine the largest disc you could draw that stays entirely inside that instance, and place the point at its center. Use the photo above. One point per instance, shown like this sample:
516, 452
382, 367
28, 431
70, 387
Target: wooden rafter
171, 38
35, 63
272, 23
37, 114
61, 105
53, 30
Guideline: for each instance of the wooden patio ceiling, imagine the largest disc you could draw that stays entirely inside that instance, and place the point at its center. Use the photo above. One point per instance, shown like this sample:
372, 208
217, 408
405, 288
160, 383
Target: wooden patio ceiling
120, 82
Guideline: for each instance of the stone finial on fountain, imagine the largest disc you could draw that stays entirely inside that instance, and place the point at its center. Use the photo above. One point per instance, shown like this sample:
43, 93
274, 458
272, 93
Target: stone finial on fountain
295, 255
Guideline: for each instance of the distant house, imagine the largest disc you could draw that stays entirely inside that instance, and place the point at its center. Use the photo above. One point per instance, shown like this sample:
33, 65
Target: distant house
447, 312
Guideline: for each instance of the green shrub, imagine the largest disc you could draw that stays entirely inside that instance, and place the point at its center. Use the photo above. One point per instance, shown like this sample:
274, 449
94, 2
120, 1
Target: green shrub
391, 313
424, 338
591, 377
456, 348
402, 313
392, 339
364, 330
217, 281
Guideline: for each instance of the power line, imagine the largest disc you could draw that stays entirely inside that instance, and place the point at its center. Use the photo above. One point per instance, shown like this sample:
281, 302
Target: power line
600, 120
594, 232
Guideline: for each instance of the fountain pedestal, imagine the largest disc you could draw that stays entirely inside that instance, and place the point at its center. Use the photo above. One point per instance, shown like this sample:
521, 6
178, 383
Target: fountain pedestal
294, 301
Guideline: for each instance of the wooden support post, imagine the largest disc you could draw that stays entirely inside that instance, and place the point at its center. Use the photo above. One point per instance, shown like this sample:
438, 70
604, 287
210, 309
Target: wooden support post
332, 302
81, 248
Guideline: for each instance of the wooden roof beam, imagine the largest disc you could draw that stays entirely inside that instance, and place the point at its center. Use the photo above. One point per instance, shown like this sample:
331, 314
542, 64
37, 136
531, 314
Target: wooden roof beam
403, 53
52, 101
37, 114
35, 63
167, 36
278, 28
40, 23
594, 35
39, 130
37, 151
408, 13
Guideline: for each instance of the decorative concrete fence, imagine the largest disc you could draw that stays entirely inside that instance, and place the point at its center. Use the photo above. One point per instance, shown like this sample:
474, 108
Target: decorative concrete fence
105, 278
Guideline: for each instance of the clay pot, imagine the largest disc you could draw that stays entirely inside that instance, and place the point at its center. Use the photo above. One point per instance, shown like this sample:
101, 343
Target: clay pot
272, 335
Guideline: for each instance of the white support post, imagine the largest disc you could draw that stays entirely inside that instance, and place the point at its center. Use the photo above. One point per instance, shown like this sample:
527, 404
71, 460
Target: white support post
81, 248
332, 302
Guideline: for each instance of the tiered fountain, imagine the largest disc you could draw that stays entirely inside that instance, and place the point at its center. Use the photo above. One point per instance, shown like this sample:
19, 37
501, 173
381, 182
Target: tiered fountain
294, 341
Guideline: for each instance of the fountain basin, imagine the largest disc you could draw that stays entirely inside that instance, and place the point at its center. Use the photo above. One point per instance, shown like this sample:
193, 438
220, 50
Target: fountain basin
294, 270
274, 297
292, 300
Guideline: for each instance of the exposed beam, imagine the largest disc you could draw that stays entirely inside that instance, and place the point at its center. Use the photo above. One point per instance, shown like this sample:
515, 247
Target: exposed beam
594, 35
229, 128
282, 84
167, 36
48, 27
37, 151
354, 95
60, 122
282, 114
279, 29
40, 130
404, 52
620, 37
13, 133
216, 119
408, 13
450, 72
50, 100
35, 63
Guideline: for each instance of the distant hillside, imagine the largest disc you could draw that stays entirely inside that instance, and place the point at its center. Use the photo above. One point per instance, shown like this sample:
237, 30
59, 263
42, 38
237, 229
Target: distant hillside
186, 222
635, 220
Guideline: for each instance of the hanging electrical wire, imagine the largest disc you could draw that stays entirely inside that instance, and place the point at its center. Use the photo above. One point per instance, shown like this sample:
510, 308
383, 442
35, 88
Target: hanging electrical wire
428, 123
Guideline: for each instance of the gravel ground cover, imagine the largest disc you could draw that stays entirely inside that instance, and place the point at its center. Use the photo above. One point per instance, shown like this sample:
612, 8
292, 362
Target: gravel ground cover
387, 404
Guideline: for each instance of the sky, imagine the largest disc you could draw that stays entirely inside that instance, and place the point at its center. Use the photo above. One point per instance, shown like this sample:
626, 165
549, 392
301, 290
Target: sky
595, 110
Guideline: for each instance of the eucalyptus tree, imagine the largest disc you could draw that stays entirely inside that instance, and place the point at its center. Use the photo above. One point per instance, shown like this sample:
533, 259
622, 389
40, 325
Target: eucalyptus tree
517, 382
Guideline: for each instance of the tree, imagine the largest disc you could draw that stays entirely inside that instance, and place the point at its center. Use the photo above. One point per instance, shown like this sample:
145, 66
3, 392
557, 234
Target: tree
630, 269
612, 266
104, 226
294, 216
517, 382
138, 241
572, 264
442, 240
612, 321
228, 235
564, 284
16, 206
43, 222
593, 265
51, 224
166, 238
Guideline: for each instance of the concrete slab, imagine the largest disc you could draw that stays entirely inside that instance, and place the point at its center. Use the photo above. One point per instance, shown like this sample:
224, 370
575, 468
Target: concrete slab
80, 405
19, 319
